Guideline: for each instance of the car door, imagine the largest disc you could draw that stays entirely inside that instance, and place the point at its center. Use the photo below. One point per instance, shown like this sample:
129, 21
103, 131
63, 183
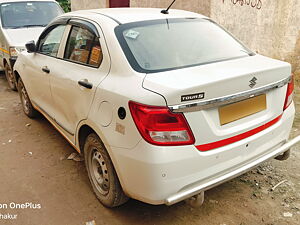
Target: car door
37, 72
86, 63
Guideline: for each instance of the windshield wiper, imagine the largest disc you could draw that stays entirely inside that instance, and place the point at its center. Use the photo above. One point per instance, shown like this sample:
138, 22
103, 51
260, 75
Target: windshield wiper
34, 25
11, 27
26, 26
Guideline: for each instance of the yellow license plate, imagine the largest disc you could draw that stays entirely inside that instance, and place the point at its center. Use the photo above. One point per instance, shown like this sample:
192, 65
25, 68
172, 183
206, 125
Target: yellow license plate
242, 109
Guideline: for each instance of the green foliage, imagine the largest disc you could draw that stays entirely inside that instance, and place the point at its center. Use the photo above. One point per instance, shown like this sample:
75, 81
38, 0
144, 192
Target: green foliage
65, 4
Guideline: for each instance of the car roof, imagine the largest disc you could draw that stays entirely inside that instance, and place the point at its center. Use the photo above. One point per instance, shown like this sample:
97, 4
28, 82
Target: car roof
9, 1
127, 15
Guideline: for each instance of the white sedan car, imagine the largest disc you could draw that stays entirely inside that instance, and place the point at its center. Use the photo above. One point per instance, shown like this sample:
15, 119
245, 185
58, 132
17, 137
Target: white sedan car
162, 106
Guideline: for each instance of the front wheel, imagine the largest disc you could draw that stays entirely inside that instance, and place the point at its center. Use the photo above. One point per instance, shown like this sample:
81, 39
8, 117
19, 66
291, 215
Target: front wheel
102, 174
25, 100
10, 77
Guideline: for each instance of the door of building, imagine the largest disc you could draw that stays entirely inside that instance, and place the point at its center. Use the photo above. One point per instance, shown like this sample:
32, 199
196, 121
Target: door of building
118, 3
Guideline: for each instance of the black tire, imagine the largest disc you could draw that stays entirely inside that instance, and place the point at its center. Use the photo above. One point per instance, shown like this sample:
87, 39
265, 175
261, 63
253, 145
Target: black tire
101, 172
25, 101
10, 77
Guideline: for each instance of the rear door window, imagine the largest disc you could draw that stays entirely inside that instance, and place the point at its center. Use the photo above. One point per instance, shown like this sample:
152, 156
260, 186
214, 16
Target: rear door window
83, 47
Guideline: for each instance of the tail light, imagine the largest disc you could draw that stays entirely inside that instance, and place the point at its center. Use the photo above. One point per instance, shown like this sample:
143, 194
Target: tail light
159, 126
289, 94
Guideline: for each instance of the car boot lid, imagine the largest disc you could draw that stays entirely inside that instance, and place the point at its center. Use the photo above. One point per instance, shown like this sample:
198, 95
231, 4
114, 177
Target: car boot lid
218, 80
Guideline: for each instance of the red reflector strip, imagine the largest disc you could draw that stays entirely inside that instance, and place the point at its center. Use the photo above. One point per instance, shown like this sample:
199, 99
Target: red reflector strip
218, 144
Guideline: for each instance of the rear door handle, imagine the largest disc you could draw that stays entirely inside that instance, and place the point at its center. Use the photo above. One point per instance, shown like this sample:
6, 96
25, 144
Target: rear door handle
45, 69
85, 83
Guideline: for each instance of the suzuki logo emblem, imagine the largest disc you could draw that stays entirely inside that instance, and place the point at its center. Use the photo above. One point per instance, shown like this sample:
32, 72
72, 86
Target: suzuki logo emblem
253, 82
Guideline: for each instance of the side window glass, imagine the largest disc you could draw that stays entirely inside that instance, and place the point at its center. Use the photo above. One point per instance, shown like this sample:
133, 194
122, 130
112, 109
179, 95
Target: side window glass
83, 47
49, 45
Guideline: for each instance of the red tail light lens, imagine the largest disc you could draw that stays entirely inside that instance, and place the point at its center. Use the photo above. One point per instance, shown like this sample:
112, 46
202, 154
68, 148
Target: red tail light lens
159, 126
289, 93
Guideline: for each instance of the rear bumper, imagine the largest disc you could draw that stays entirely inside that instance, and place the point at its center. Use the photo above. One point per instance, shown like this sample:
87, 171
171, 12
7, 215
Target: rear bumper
167, 175
189, 192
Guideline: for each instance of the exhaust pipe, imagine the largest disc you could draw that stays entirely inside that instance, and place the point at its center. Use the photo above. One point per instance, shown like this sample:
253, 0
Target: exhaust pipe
196, 201
284, 156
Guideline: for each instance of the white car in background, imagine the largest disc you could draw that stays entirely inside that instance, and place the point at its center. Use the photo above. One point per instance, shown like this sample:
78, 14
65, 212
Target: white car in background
22, 21
162, 106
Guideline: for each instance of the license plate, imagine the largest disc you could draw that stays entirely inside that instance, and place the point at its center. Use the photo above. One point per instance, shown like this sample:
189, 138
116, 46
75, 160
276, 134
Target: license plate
242, 109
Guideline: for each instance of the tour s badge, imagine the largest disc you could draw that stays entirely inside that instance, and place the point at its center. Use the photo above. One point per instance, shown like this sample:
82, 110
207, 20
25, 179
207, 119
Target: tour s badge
185, 98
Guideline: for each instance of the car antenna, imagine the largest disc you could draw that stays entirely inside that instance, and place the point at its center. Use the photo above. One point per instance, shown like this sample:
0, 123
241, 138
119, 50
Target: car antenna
166, 11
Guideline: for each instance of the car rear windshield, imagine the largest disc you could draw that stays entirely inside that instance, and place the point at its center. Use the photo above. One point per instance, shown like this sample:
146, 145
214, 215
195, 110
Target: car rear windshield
161, 45
28, 14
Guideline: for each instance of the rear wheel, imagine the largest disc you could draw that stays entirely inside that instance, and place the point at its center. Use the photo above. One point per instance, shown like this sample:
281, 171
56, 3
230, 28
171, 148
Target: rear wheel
10, 77
102, 174
25, 100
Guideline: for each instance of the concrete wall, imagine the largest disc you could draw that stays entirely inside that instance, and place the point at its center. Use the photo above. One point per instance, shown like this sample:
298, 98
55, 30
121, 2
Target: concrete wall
270, 27
191, 5
199, 6
88, 4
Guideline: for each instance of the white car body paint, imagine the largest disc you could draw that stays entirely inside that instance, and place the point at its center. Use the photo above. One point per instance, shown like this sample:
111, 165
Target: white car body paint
151, 173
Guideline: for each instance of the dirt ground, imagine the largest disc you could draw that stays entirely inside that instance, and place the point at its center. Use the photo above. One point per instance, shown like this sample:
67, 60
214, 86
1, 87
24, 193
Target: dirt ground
33, 168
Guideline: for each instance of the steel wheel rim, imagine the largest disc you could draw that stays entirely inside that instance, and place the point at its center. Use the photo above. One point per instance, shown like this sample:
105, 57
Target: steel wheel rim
9, 76
25, 100
99, 172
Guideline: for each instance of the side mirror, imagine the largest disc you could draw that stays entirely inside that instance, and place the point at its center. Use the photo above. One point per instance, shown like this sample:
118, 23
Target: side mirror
31, 47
